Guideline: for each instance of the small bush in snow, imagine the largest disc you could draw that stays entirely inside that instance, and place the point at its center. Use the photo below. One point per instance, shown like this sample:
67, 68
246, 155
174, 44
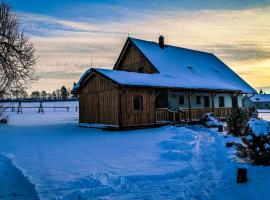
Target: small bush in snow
237, 121
4, 120
253, 113
256, 147
209, 120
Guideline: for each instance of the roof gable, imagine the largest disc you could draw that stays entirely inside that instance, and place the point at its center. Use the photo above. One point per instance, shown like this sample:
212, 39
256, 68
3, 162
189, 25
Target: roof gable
86, 76
125, 50
197, 66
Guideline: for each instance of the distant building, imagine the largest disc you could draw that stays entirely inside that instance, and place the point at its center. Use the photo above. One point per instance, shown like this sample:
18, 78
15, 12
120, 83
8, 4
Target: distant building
154, 83
260, 101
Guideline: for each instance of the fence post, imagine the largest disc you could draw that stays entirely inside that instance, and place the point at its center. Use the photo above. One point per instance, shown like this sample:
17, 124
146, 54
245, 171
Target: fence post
19, 109
40, 109
242, 175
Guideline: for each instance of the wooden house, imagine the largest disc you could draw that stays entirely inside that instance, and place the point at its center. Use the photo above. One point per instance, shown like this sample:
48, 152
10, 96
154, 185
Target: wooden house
154, 83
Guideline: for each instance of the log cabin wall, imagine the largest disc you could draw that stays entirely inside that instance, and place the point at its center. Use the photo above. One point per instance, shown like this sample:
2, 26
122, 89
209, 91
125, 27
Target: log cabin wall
98, 101
131, 117
134, 61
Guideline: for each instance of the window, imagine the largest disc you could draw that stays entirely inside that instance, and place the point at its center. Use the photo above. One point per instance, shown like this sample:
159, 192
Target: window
181, 100
206, 101
198, 100
138, 103
221, 101
141, 70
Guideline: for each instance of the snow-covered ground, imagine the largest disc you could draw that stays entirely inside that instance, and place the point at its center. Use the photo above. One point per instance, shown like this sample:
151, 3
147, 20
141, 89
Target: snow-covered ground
54, 158
265, 114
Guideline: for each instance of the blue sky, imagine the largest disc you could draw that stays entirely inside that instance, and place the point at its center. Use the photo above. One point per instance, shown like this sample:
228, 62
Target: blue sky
70, 35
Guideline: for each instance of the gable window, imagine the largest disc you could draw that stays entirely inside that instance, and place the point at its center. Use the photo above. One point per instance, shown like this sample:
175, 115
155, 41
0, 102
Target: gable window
198, 100
141, 70
181, 100
138, 102
221, 101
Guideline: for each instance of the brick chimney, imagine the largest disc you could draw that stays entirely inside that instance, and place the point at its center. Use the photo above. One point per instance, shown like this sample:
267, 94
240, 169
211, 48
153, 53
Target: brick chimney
161, 42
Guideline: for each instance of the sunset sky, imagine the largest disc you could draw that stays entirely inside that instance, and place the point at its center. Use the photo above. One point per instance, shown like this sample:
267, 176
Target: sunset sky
69, 35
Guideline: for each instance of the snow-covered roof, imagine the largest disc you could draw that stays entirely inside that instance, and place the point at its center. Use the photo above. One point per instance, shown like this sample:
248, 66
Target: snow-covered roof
196, 66
155, 80
260, 98
178, 68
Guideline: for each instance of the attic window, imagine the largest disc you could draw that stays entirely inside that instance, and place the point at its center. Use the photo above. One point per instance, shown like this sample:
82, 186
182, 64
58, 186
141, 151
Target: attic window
191, 69
141, 70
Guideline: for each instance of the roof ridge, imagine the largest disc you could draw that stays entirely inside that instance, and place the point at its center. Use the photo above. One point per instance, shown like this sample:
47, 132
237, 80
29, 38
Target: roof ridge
173, 46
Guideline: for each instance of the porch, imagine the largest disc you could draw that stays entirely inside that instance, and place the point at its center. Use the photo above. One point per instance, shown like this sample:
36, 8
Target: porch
164, 115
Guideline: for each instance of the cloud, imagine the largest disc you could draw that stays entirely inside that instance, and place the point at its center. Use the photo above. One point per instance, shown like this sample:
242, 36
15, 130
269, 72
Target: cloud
239, 37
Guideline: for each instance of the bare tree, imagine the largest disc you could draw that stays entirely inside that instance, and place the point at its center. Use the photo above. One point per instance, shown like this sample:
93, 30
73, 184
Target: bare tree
17, 60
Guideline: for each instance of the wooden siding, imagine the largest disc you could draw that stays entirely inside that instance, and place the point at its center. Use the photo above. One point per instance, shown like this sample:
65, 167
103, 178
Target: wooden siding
133, 60
98, 102
129, 116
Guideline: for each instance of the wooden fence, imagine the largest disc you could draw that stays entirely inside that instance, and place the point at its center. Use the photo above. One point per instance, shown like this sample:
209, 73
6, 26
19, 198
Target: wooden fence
39, 109
164, 115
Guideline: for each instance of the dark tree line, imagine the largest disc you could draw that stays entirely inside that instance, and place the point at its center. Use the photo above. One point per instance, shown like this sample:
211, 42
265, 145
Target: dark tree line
59, 94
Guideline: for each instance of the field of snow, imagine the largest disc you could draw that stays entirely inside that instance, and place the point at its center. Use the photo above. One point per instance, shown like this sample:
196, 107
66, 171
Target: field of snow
265, 114
47, 156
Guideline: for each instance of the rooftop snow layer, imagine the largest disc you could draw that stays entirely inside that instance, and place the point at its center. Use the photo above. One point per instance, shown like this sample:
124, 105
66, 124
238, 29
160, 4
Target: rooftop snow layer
260, 98
160, 80
178, 68
197, 66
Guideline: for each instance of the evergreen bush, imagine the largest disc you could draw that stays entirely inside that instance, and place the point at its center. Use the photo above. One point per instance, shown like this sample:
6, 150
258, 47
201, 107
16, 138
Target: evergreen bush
237, 121
256, 147
253, 113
